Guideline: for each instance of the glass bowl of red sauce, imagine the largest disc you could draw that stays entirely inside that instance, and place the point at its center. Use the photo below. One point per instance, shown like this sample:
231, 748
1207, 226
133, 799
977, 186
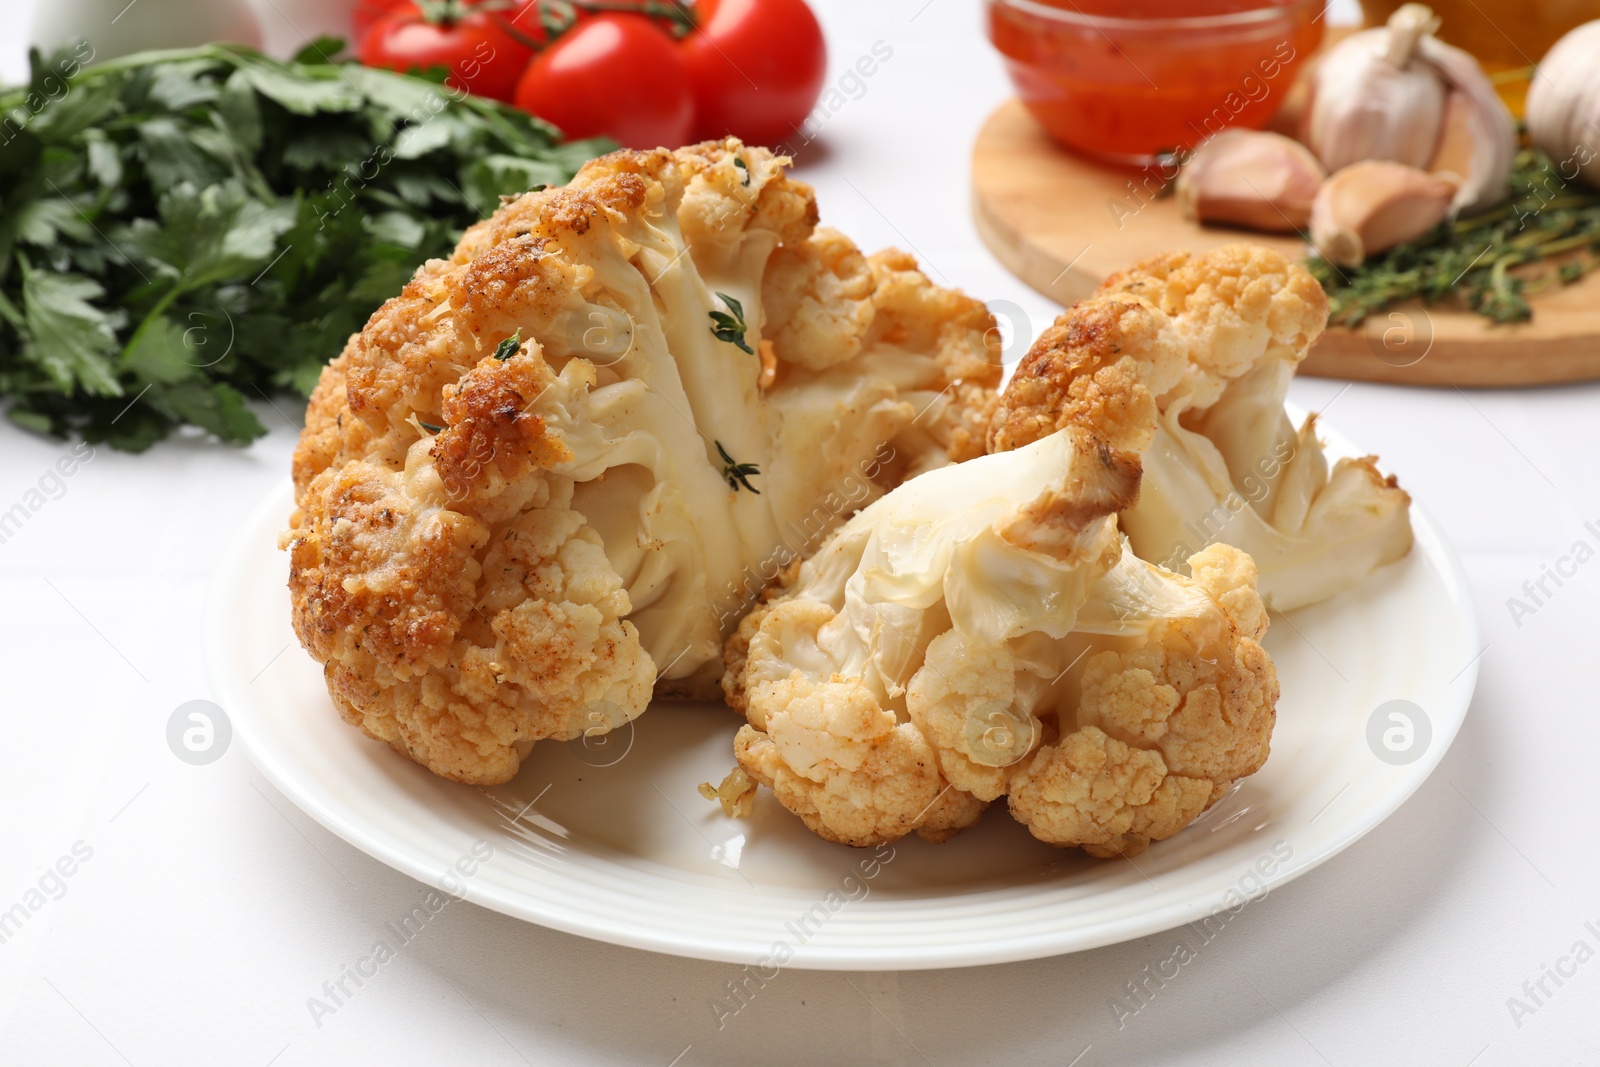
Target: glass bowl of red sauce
1133, 81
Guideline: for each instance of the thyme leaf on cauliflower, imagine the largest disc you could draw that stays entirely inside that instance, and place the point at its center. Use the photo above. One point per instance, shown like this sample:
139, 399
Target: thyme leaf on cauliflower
508, 348
737, 474
729, 325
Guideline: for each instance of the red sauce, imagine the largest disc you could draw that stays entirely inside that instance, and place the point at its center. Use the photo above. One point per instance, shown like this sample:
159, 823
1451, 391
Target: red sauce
1138, 85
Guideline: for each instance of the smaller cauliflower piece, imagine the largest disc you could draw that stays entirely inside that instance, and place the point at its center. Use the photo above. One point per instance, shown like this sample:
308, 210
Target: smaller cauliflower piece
819, 293
736, 793
458, 643
983, 631
1224, 464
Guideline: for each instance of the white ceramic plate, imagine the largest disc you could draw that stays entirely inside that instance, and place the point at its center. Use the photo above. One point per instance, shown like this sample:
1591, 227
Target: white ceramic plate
609, 839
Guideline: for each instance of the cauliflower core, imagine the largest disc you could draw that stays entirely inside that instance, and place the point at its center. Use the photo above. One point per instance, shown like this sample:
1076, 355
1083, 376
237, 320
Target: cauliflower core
549, 477
984, 631
1224, 465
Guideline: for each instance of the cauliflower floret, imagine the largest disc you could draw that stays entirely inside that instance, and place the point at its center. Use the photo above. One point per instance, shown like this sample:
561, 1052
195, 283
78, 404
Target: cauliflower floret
461, 643
548, 478
1235, 307
983, 631
841, 762
1180, 707
820, 294
1224, 464
1098, 365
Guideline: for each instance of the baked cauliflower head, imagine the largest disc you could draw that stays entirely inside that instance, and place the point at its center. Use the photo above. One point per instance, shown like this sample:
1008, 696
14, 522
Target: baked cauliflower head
548, 478
1225, 464
985, 631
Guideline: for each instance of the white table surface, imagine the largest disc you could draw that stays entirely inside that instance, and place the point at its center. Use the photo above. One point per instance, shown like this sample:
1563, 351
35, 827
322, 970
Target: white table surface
211, 908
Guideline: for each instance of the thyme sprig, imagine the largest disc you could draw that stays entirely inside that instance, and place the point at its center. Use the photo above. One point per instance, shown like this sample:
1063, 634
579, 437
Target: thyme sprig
1546, 234
737, 474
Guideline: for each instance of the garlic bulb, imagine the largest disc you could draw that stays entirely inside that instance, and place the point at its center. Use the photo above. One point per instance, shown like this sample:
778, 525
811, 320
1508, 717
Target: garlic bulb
1263, 181
1564, 104
1370, 101
1399, 94
1374, 205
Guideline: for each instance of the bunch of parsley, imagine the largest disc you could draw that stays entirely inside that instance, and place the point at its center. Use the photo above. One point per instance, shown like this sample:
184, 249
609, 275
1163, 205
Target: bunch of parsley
183, 230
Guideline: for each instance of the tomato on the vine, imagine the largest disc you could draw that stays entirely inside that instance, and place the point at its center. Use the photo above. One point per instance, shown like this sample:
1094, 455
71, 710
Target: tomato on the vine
756, 68
556, 17
477, 42
614, 74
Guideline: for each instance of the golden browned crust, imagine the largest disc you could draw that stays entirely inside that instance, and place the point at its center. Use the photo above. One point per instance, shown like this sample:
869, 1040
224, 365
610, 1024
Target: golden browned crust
1148, 278
1224, 296
324, 437
1090, 368
375, 574
489, 436
735, 651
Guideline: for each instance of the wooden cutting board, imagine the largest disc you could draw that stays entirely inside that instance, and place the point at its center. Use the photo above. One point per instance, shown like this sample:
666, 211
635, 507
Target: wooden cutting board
1062, 223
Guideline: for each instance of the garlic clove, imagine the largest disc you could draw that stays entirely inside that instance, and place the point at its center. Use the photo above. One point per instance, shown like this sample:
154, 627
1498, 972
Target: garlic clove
1458, 138
1477, 135
1262, 181
1564, 104
1373, 205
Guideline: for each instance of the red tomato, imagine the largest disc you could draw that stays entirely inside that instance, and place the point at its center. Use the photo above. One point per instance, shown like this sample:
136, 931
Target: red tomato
756, 67
366, 15
617, 75
479, 48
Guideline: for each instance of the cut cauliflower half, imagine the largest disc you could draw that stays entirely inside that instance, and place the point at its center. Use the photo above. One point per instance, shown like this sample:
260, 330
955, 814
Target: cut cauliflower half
1224, 464
985, 631
548, 478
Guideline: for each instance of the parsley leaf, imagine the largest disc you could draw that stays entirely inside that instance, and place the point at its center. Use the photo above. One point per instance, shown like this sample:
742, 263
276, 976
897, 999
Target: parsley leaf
183, 229
159, 353
216, 407
68, 337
